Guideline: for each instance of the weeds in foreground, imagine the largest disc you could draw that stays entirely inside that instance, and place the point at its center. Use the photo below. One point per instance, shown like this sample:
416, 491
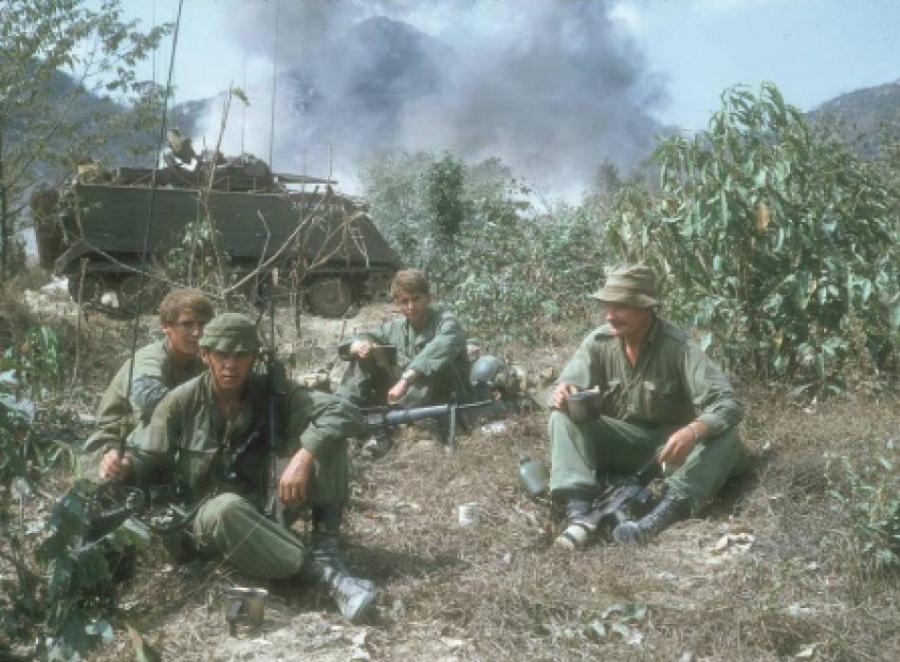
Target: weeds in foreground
867, 494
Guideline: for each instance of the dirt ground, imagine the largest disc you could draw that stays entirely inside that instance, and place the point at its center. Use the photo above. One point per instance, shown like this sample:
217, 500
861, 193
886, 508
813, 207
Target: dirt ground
771, 572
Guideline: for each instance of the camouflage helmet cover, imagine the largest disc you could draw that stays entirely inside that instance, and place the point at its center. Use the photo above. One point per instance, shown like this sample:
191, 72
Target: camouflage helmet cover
230, 332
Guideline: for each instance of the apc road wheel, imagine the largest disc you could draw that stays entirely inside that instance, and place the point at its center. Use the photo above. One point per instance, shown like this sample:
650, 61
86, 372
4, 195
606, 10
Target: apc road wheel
93, 288
329, 297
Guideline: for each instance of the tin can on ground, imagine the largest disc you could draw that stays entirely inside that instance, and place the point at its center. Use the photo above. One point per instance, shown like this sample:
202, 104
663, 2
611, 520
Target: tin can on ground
469, 513
245, 605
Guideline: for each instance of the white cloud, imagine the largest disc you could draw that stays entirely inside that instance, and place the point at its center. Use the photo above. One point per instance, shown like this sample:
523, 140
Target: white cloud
627, 17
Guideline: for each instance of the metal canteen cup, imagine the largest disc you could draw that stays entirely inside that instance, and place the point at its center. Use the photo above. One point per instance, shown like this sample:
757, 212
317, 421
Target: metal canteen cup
384, 356
246, 605
583, 405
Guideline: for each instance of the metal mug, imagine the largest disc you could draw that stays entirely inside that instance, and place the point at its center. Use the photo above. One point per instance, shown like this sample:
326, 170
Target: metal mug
384, 356
246, 605
583, 405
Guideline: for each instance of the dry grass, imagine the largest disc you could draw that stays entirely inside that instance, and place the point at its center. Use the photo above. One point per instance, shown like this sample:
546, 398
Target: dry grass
505, 590
500, 591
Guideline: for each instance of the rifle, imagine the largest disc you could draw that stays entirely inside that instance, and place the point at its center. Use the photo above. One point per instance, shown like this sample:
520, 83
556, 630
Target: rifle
379, 419
155, 509
108, 508
623, 499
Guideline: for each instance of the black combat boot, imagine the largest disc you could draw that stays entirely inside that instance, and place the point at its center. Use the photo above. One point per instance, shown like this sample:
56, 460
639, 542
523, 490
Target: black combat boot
578, 530
354, 596
378, 445
671, 509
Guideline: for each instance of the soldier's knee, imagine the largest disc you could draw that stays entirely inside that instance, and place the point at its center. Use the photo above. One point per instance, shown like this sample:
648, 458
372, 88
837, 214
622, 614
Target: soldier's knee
729, 441
558, 423
225, 506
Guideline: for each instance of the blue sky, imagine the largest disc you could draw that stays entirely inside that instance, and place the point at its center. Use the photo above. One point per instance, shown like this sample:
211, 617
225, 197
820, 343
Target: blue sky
812, 49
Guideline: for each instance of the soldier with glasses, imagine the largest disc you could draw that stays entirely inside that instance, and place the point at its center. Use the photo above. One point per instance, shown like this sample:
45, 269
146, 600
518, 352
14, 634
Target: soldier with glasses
158, 368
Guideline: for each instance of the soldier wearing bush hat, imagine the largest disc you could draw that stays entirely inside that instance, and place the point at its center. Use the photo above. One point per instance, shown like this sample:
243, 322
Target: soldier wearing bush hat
658, 396
211, 437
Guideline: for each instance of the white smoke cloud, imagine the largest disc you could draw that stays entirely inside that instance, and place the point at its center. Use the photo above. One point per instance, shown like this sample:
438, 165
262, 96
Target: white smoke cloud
553, 88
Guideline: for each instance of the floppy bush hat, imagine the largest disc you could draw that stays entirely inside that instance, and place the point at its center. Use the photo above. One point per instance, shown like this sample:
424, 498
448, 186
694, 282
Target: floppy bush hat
634, 285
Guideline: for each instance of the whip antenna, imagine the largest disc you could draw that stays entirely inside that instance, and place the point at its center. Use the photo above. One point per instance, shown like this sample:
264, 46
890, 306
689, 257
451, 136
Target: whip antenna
274, 90
149, 222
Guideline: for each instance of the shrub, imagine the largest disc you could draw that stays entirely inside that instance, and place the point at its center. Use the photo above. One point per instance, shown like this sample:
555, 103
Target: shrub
869, 497
499, 264
775, 239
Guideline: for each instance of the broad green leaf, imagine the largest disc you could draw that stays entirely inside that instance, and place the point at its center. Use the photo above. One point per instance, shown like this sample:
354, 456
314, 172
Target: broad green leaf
895, 313
759, 181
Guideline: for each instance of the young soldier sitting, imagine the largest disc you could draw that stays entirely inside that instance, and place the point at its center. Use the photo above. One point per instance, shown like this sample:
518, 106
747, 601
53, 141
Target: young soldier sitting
431, 366
158, 368
198, 440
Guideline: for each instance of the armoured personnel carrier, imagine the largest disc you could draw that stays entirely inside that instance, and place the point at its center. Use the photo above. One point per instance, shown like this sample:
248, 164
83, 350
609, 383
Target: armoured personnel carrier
98, 226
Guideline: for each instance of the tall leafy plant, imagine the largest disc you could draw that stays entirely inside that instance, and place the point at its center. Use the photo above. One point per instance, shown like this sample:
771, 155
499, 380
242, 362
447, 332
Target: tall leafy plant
776, 239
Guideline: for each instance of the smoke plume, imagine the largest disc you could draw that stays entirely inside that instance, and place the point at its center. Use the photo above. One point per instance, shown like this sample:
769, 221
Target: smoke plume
553, 88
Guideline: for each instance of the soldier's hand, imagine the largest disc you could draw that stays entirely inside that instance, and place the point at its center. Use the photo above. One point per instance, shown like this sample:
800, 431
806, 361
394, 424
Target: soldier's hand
398, 390
680, 444
560, 393
361, 348
293, 485
114, 466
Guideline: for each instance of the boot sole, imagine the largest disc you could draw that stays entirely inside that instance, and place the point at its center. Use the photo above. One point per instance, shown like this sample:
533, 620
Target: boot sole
357, 610
575, 537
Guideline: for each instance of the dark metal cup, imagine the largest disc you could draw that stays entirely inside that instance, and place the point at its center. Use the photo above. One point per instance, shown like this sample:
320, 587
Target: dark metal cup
583, 406
384, 356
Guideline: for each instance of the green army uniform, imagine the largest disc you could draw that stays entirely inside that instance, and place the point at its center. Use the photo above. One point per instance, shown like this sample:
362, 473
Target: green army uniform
437, 354
220, 465
190, 443
673, 383
119, 416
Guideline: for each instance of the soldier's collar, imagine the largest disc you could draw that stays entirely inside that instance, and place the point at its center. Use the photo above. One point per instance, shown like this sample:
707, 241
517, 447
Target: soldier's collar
655, 327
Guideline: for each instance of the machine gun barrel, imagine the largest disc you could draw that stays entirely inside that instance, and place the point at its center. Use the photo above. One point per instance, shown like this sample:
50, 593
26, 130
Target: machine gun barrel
382, 418
388, 417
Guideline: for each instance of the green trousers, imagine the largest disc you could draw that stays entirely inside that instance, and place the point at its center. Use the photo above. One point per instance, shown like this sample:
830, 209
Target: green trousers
233, 527
579, 450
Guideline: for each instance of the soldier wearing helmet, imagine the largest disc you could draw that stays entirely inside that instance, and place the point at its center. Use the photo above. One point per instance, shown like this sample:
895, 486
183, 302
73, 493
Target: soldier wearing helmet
210, 437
